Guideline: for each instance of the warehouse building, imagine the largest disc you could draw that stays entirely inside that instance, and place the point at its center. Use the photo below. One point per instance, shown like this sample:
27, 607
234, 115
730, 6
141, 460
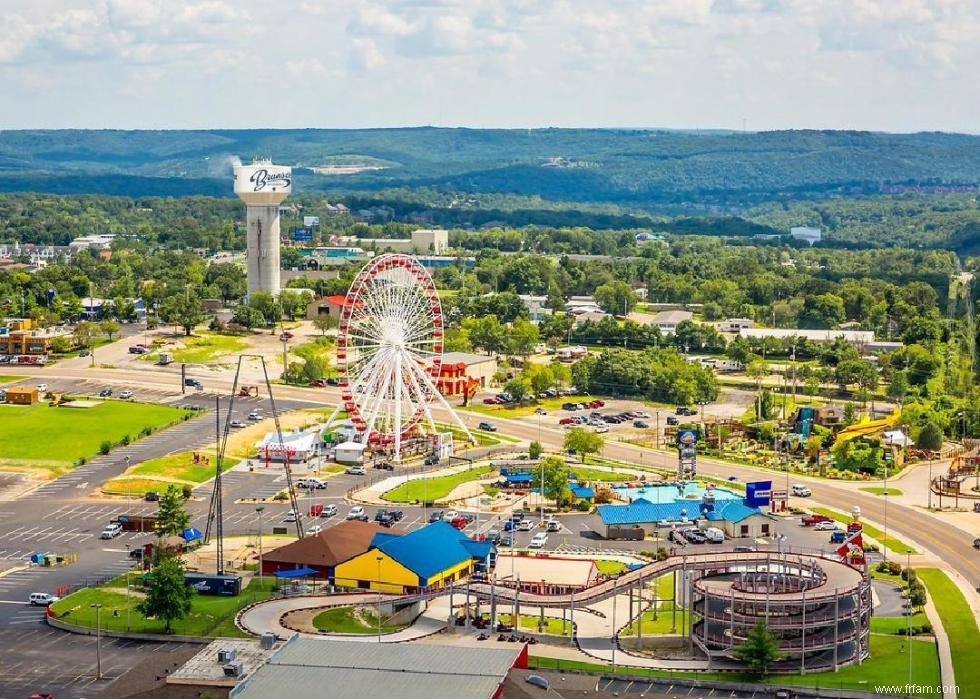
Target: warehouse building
323, 552
431, 557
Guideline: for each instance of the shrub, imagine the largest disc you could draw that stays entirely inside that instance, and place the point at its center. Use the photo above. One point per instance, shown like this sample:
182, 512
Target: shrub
280, 496
146, 431
187, 490
105, 447
583, 506
126, 440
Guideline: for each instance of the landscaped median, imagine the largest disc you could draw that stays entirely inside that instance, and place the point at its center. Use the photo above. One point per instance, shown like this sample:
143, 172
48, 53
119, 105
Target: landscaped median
211, 615
182, 469
352, 620
434, 489
893, 544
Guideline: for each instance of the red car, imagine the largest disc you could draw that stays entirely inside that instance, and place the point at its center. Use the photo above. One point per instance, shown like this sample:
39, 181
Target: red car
319, 383
459, 522
809, 520
598, 403
491, 401
567, 421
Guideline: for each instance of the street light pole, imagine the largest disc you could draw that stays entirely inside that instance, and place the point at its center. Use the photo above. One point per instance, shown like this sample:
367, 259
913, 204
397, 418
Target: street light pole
379, 559
127, 590
98, 641
258, 511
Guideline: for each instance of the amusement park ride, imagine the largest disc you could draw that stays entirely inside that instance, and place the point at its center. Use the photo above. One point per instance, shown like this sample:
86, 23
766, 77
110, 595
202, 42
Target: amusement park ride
389, 355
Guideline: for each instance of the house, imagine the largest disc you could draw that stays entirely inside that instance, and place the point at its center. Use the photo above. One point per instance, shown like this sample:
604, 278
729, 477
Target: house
667, 321
433, 556
536, 308
101, 241
479, 367
22, 395
324, 551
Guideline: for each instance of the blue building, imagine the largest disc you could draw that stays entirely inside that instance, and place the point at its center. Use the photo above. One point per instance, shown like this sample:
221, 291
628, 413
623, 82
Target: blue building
733, 517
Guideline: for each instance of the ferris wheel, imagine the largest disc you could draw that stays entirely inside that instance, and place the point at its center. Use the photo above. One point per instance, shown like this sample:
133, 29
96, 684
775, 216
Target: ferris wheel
389, 352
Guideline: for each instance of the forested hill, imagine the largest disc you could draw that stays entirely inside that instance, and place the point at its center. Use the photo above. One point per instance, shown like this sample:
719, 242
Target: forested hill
631, 167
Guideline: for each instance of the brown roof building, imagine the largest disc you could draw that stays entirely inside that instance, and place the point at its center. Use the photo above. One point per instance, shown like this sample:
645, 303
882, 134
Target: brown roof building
323, 551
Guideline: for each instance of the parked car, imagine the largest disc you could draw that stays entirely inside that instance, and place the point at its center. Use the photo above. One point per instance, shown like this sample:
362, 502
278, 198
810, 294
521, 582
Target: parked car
538, 540
837, 537
671, 420
83, 353
569, 406
800, 491
825, 526
254, 415
600, 429
641, 413
329, 511
152, 496
435, 516
193, 383
285, 336
525, 525
356, 512
237, 423
318, 383
741, 548
506, 540
42, 599
110, 531
449, 515
380, 515
641, 424
126, 395
42, 387
809, 520
493, 400
487, 427
976, 543
314, 530
684, 410
355, 470
333, 381
493, 536
105, 393
540, 411
553, 525
431, 460
291, 516
714, 535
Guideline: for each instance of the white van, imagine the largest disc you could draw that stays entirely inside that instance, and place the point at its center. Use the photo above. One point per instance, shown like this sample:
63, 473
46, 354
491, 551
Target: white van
800, 491
42, 599
111, 531
538, 540
715, 535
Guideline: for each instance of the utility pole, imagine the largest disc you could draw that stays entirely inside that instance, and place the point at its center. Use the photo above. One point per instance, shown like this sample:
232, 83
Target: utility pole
98, 641
258, 511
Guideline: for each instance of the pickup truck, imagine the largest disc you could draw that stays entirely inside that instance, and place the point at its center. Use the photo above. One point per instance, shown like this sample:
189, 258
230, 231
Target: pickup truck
810, 520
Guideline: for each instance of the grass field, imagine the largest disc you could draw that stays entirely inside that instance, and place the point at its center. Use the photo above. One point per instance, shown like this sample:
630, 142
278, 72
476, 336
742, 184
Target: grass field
529, 622
434, 488
40, 435
960, 626
607, 567
204, 347
892, 624
7, 379
891, 542
509, 411
881, 491
888, 665
211, 615
156, 474
593, 474
347, 620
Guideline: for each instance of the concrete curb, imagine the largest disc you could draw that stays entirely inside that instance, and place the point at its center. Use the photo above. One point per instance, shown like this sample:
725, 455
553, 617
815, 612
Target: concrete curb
86, 631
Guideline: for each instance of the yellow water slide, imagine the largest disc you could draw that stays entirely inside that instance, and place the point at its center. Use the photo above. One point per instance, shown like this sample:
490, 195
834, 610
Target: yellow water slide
865, 426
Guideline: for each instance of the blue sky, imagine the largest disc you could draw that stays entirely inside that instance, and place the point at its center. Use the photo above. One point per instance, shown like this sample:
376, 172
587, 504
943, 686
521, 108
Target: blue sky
893, 65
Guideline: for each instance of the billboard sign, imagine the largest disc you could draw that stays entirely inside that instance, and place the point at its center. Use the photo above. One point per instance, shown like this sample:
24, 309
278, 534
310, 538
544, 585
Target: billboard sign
758, 493
302, 233
310, 221
687, 438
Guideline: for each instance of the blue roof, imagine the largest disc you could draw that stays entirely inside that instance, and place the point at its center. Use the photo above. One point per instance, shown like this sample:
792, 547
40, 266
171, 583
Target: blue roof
295, 573
192, 534
519, 477
582, 491
432, 549
641, 511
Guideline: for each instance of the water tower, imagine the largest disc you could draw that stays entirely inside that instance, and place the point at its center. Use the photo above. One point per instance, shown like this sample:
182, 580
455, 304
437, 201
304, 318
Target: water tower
263, 186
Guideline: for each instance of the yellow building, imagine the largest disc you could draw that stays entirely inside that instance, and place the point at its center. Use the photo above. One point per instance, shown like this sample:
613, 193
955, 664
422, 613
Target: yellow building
431, 557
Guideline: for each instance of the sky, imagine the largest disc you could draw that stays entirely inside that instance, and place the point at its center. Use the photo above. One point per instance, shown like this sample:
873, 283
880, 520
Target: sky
886, 65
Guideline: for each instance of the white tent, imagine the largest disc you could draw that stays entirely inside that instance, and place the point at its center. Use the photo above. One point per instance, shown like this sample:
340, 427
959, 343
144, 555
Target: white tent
300, 446
898, 439
349, 453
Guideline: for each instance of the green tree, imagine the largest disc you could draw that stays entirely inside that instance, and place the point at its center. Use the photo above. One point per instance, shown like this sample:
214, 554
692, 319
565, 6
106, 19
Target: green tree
540, 376
247, 317
519, 389
167, 596
324, 323
616, 297
555, 479
757, 369
487, 333
85, 331
266, 304
850, 414
534, 450
172, 518
522, 337
930, 437
109, 328
182, 309
760, 649
583, 442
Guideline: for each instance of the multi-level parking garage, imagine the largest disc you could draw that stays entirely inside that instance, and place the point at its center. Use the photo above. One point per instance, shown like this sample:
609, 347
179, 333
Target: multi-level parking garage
819, 609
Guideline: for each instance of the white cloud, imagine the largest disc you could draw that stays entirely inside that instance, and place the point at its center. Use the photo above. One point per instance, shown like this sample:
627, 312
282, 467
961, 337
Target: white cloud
364, 55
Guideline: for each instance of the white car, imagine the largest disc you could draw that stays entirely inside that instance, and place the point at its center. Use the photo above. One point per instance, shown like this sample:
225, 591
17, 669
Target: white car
237, 423
329, 511
355, 470
42, 387
111, 531
254, 415
314, 530
825, 527
449, 515
355, 512
291, 516
525, 525
42, 599
553, 525
126, 395
600, 429
801, 491
538, 540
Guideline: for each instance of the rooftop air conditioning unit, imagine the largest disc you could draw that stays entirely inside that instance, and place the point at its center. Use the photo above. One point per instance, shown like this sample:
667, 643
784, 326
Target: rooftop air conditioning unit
268, 641
226, 655
233, 669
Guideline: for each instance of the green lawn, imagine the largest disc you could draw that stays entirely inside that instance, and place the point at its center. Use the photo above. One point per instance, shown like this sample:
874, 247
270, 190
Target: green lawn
960, 626
204, 347
8, 379
891, 542
881, 491
525, 409
211, 615
344, 620
40, 435
593, 474
888, 665
434, 488
892, 624
529, 622
607, 567
156, 474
